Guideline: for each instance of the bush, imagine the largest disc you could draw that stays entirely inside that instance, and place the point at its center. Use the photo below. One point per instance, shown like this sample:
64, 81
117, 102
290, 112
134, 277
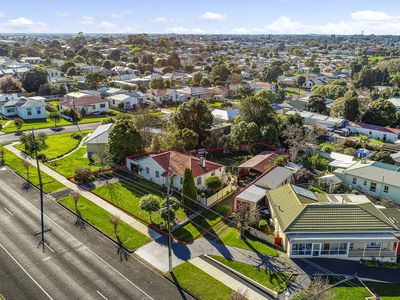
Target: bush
108, 120
214, 183
72, 114
319, 162
42, 157
77, 136
263, 225
81, 176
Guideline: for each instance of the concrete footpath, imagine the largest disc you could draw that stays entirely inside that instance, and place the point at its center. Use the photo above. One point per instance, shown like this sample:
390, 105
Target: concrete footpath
88, 195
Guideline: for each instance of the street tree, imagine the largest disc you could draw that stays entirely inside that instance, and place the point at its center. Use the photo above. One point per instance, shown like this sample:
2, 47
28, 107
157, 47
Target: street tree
55, 116
150, 203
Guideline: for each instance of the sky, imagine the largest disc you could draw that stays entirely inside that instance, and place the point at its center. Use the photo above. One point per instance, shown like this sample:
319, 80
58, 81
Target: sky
201, 16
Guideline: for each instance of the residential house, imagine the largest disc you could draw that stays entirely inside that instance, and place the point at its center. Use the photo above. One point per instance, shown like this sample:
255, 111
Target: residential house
225, 114
260, 163
377, 179
125, 101
196, 92
86, 104
396, 158
164, 95
254, 195
25, 108
170, 167
322, 121
385, 134
331, 226
32, 60
97, 141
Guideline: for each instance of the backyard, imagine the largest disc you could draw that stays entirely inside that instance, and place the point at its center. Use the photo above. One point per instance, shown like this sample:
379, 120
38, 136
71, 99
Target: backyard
99, 218
126, 195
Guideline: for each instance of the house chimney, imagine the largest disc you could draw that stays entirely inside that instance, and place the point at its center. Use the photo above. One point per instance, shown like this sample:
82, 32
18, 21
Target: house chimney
202, 162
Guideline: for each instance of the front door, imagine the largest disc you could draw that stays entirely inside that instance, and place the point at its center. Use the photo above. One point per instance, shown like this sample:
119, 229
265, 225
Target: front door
315, 249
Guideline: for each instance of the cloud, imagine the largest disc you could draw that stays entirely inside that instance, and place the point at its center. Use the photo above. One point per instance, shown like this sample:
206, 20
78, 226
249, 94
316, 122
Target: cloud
122, 14
164, 20
106, 27
2, 14
213, 16
87, 20
63, 14
370, 15
371, 22
184, 30
23, 24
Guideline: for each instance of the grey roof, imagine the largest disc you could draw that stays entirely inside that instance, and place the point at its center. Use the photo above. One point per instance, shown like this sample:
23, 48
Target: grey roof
252, 194
100, 135
274, 178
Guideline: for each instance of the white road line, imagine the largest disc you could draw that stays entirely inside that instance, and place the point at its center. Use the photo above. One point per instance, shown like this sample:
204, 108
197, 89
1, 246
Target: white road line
49, 247
8, 211
98, 257
46, 258
104, 297
25, 271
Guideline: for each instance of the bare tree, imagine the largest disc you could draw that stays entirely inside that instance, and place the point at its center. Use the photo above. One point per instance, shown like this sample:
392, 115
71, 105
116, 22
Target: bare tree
2, 155
319, 289
102, 158
26, 164
144, 121
243, 215
114, 220
79, 220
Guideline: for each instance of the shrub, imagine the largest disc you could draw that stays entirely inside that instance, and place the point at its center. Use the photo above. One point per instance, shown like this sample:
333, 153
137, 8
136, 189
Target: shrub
81, 175
263, 225
76, 136
318, 162
108, 120
42, 157
214, 183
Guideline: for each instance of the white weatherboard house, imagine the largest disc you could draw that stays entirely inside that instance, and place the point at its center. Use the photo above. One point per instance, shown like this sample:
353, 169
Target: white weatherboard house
25, 108
374, 178
86, 104
385, 134
97, 141
331, 226
171, 166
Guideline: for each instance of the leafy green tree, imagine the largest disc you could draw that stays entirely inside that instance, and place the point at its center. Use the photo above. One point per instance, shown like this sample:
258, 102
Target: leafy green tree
347, 107
270, 74
174, 60
164, 214
189, 192
95, 79
317, 104
197, 79
214, 183
194, 115
258, 110
381, 112
331, 91
150, 203
157, 83
34, 78
174, 138
219, 74
124, 139
55, 117
18, 123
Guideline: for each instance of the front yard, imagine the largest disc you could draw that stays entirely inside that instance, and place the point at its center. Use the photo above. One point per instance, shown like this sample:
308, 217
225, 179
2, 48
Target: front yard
270, 279
57, 145
66, 166
198, 283
36, 124
99, 218
126, 195
15, 163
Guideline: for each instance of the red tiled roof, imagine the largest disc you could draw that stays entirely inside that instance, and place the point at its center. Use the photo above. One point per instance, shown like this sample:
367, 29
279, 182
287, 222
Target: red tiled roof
84, 100
376, 128
261, 162
175, 162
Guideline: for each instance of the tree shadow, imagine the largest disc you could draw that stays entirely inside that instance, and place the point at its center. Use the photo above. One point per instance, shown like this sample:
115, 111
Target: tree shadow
79, 222
26, 186
121, 251
180, 250
176, 282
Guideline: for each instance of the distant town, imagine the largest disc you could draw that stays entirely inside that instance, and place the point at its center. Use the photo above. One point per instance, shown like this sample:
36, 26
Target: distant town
194, 166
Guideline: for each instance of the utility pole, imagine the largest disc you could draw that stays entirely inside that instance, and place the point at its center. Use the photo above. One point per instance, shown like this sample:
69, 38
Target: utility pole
42, 240
169, 228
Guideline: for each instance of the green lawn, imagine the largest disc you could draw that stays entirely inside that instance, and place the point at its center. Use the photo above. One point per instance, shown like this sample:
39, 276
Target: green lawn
99, 218
36, 124
57, 145
199, 224
198, 283
66, 166
352, 290
386, 291
126, 194
266, 277
14, 162
231, 237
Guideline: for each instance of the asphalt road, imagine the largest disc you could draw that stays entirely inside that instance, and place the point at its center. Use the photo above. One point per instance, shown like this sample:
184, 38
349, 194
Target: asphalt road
77, 264
11, 137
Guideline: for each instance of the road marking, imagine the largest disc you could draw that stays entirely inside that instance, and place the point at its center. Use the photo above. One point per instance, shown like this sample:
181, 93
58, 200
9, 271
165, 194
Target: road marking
46, 258
23, 269
104, 297
98, 257
49, 247
8, 211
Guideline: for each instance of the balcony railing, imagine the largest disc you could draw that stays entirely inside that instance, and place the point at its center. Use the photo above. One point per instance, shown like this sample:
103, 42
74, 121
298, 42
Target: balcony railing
372, 253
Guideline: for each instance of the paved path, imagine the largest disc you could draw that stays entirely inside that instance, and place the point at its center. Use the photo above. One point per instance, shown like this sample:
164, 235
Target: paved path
88, 195
7, 123
225, 279
11, 137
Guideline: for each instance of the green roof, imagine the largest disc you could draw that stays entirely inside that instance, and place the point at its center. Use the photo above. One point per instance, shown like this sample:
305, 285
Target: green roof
296, 212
